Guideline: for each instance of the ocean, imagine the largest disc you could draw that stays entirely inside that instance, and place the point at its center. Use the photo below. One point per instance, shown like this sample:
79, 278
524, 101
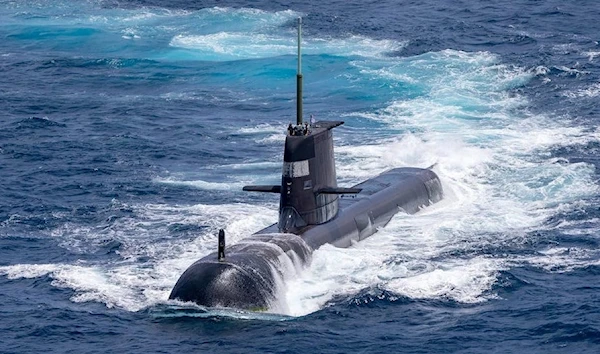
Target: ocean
128, 129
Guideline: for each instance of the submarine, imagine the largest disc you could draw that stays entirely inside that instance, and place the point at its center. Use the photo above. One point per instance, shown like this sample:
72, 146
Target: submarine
313, 211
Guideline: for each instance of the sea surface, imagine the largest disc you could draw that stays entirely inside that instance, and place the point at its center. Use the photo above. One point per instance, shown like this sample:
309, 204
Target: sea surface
127, 129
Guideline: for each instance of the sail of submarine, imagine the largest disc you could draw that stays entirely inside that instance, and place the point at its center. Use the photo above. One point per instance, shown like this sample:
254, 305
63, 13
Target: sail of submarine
313, 211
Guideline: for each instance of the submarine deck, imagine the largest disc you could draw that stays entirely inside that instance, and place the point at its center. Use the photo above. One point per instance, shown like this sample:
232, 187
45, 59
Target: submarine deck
404, 189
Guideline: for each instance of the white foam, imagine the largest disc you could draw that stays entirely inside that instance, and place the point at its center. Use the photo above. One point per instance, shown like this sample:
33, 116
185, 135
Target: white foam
572, 71
588, 92
272, 139
243, 45
238, 174
27, 270
253, 165
150, 260
285, 268
262, 129
89, 283
458, 280
562, 259
200, 184
592, 55
266, 133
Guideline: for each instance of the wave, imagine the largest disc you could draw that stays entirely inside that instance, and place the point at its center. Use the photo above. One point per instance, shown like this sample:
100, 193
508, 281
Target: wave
211, 34
235, 46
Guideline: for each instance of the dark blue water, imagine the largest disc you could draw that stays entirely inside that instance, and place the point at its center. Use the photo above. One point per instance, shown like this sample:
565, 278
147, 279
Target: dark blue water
129, 127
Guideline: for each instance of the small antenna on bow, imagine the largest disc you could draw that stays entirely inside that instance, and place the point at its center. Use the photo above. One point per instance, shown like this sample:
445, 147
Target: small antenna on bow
221, 248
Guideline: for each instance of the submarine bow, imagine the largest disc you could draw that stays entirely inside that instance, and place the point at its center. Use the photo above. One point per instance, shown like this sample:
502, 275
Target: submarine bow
249, 277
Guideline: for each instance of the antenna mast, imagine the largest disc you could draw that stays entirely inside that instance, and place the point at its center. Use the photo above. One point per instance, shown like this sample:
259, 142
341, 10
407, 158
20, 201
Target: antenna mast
299, 77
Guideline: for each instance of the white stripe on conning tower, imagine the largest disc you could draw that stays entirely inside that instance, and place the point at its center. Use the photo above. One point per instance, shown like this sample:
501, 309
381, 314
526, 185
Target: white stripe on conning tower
296, 169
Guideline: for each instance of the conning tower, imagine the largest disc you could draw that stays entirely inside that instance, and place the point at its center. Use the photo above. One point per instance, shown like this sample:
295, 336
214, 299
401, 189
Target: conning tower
309, 193
308, 181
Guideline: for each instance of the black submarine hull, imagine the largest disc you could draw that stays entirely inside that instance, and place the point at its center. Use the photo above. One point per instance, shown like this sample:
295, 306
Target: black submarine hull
254, 269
